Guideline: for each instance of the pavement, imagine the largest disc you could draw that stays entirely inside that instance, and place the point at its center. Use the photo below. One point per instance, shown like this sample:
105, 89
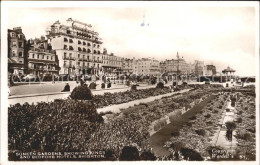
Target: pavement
47, 92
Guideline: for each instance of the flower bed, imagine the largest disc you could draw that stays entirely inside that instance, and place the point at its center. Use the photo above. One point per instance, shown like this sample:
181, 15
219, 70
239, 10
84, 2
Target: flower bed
246, 126
196, 135
132, 125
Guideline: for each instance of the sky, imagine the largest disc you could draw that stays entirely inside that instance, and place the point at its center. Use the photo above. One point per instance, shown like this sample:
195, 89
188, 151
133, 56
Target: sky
222, 36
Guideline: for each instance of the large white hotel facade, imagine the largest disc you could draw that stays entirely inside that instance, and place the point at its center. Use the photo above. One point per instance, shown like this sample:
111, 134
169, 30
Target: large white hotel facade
77, 46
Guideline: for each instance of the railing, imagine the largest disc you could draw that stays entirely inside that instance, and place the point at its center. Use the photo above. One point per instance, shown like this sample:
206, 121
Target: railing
68, 58
67, 65
72, 35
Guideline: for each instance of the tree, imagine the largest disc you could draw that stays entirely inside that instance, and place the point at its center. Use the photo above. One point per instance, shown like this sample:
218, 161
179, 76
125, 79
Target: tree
129, 153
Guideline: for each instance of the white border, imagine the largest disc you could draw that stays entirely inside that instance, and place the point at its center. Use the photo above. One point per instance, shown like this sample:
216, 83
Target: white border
4, 97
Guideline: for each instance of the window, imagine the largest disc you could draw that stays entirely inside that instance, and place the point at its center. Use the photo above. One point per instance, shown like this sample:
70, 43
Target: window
32, 55
20, 54
98, 46
14, 43
71, 41
89, 44
20, 44
21, 61
14, 54
98, 52
37, 56
89, 51
71, 48
65, 47
12, 34
51, 57
78, 55
79, 49
84, 50
65, 40
47, 57
84, 43
79, 42
94, 45
78, 63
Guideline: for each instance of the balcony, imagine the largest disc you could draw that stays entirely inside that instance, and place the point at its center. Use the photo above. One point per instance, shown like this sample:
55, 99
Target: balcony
67, 65
98, 61
68, 58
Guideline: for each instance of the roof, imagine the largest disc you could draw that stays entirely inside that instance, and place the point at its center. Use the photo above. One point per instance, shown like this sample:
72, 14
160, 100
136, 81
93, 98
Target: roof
228, 70
11, 61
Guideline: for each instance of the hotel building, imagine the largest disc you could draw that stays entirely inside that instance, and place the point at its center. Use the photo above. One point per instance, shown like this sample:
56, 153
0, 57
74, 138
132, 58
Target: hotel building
41, 58
111, 64
77, 46
16, 51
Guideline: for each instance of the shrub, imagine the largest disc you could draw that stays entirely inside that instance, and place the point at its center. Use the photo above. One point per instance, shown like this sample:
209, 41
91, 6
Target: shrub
230, 125
207, 116
81, 93
129, 153
109, 85
147, 155
103, 85
252, 116
209, 122
251, 130
240, 112
92, 85
153, 81
215, 111
239, 120
160, 85
191, 155
244, 136
193, 118
220, 107
175, 133
246, 108
110, 155
201, 132
133, 87
128, 83
189, 124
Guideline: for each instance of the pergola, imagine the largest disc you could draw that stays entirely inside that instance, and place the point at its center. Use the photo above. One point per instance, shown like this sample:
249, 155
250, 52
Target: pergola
229, 73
